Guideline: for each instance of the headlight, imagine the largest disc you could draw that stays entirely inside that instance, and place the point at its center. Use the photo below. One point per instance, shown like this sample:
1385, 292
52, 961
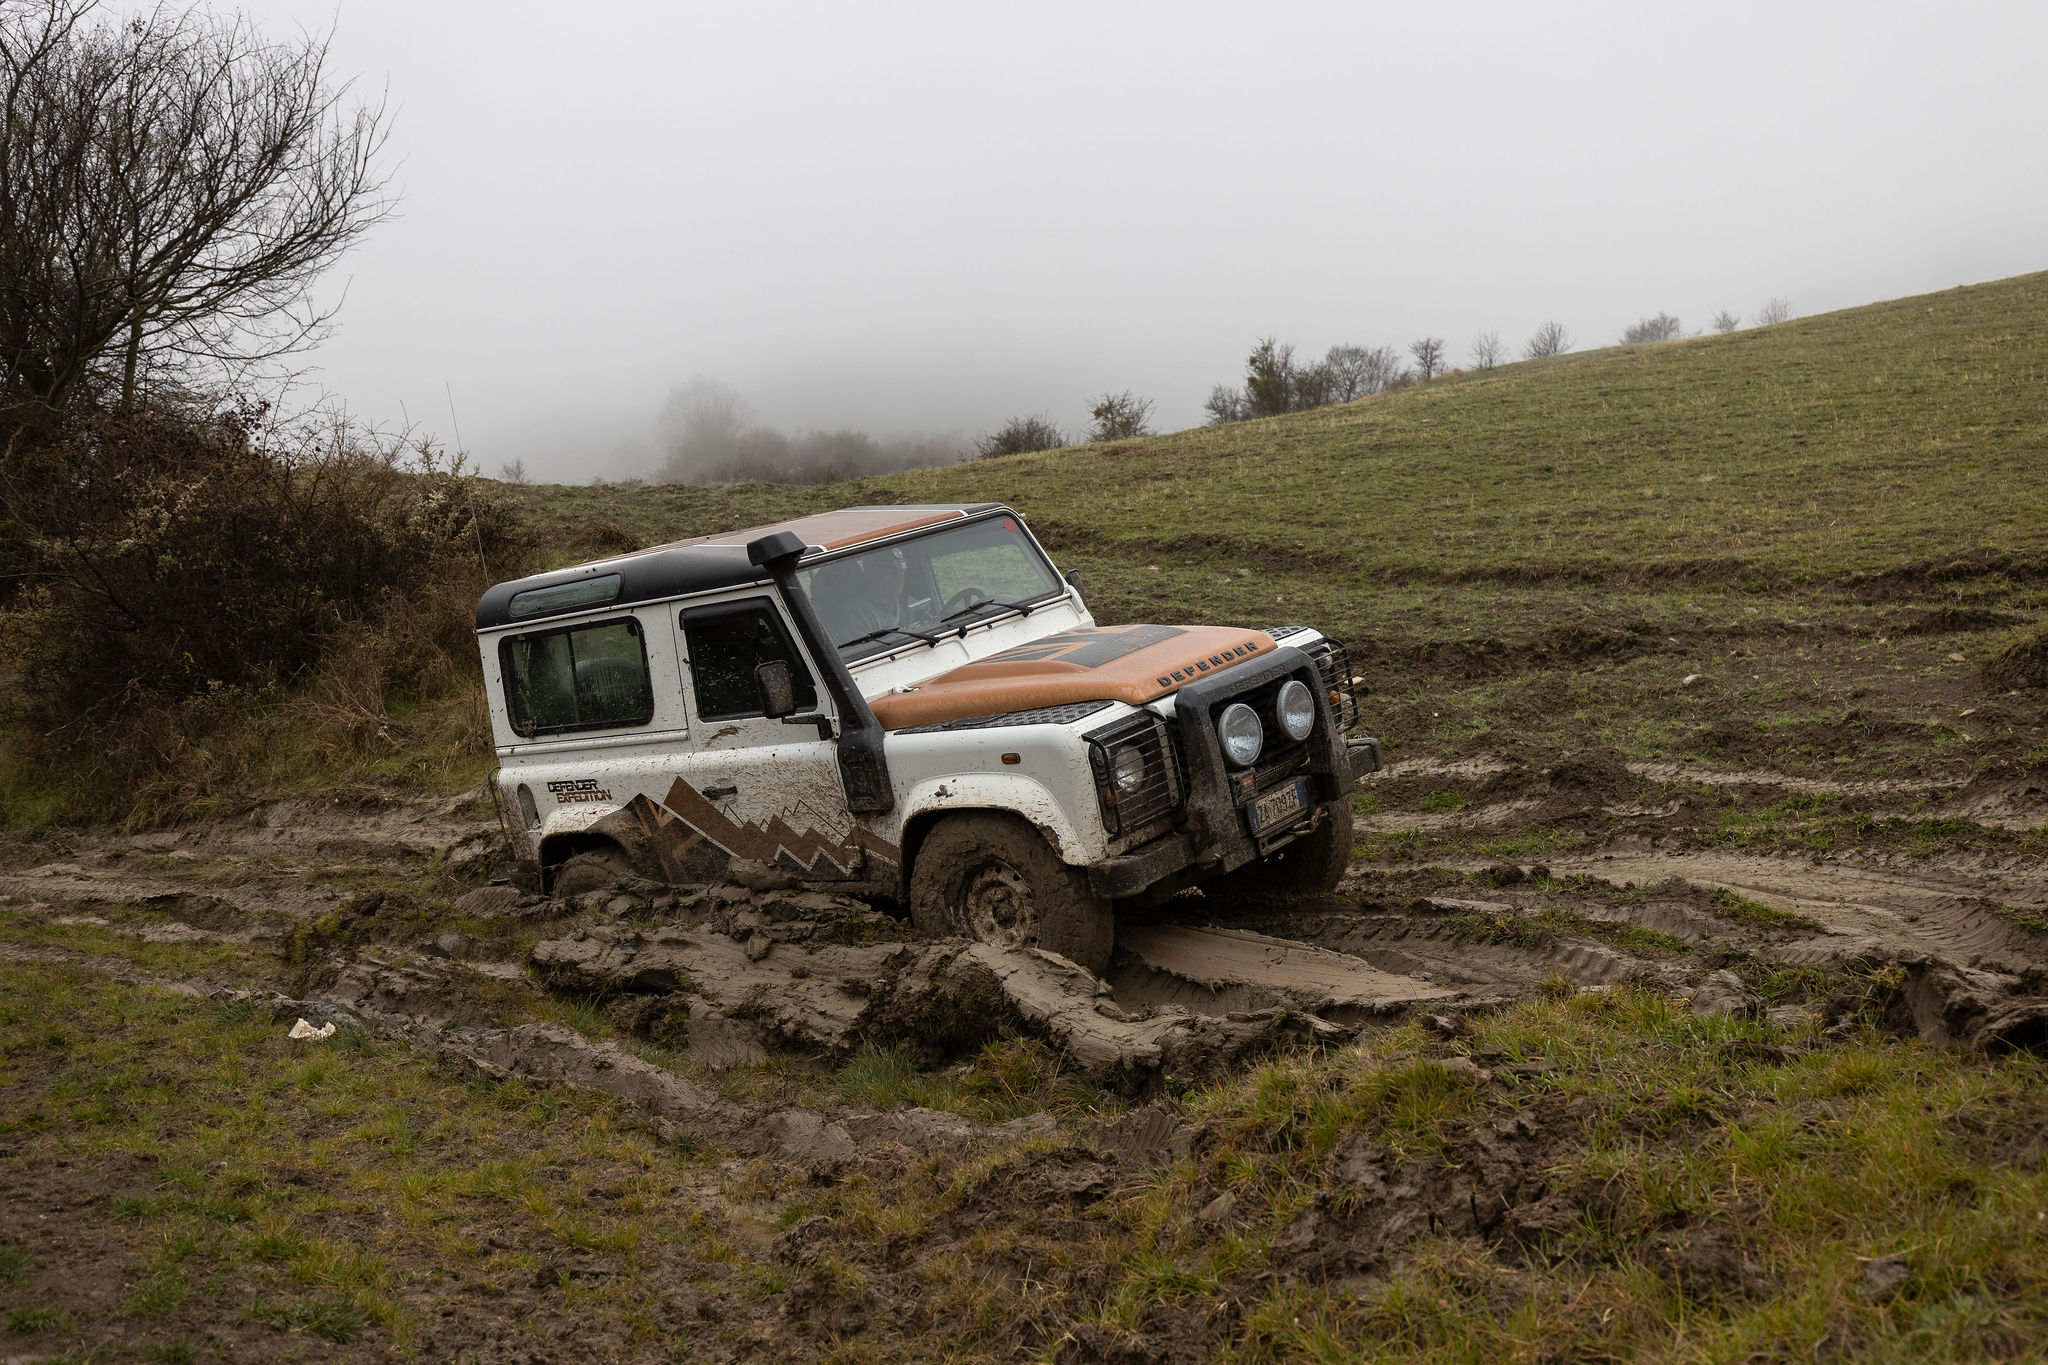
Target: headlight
1296, 707
1241, 733
1127, 770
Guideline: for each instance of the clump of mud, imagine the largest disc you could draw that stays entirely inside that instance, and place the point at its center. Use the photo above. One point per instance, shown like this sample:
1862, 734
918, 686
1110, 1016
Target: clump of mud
2022, 661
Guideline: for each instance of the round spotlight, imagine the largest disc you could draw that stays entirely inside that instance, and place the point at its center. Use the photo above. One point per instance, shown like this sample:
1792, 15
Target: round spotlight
1241, 733
1128, 770
1296, 708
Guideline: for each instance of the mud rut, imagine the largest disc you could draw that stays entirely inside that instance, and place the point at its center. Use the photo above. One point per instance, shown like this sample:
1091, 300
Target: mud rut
722, 976
326, 915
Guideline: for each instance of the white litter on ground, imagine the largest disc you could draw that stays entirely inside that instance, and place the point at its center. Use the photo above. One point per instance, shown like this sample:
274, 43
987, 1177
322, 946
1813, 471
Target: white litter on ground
302, 1029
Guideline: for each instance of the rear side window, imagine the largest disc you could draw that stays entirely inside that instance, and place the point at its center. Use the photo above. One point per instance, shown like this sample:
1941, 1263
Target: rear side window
727, 643
591, 677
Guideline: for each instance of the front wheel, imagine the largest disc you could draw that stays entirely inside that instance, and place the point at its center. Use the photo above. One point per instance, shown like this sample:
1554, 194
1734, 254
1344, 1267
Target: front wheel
1310, 866
993, 878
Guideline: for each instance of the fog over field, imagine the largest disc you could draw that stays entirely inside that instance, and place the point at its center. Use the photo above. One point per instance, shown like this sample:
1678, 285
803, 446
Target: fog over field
925, 219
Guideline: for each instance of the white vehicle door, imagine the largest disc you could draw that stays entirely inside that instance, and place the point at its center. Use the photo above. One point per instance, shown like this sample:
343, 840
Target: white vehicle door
750, 785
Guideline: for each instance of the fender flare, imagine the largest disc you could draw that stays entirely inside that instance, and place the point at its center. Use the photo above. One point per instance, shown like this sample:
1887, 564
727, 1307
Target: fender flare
925, 804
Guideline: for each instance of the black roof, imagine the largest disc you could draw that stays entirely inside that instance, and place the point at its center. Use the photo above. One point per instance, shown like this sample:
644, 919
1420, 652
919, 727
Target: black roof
709, 563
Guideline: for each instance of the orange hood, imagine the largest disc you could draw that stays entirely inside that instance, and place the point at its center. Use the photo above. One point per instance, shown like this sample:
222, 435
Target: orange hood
1133, 664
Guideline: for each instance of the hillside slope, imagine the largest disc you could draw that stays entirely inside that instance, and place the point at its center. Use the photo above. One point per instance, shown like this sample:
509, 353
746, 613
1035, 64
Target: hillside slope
1829, 524
1903, 431
1685, 1000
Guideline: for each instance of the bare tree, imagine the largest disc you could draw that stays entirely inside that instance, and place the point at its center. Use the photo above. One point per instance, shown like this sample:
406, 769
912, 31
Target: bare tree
514, 472
703, 426
1018, 435
1550, 339
1119, 417
1487, 351
1429, 356
1778, 309
1648, 331
1226, 404
172, 184
1725, 321
1315, 386
1353, 373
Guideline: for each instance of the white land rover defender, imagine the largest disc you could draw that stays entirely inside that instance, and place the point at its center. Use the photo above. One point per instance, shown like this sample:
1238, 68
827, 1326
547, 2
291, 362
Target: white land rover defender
912, 704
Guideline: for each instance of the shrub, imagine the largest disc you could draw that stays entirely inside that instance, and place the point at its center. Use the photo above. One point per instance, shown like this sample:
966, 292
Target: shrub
1019, 435
1550, 339
1226, 404
1120, 417
1648, 331
175, 568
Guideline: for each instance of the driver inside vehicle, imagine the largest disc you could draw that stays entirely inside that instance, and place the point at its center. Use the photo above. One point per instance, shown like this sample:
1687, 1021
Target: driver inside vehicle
882, 576
858, 597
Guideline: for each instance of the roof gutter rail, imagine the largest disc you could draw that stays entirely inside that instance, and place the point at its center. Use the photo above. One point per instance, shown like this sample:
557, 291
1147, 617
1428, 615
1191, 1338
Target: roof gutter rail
862, 768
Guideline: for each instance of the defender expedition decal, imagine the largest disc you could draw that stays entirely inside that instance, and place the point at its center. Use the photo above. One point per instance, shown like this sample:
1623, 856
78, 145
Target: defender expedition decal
685, 838
578, 791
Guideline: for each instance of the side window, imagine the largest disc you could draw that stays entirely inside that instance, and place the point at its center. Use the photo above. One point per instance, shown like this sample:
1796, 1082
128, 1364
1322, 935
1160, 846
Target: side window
726, 643
591, 677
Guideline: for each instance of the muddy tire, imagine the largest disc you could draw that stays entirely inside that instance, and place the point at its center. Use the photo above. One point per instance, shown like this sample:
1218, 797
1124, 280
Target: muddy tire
1310, 866
994, 878
592, 870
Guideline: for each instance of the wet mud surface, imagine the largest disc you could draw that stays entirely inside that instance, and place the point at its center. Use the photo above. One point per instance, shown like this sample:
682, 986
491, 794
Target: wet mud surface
385, 918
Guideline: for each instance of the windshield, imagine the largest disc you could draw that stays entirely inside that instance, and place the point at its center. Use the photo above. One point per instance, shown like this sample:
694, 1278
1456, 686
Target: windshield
942, 580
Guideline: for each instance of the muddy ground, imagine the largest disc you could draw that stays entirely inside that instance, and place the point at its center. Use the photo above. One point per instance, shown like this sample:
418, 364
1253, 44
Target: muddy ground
392, 917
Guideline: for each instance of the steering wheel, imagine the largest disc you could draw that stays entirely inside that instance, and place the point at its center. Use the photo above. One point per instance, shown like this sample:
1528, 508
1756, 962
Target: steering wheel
965, 598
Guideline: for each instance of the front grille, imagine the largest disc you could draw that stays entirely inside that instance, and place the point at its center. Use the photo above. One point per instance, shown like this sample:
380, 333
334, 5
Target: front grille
1133, 814
1333, 662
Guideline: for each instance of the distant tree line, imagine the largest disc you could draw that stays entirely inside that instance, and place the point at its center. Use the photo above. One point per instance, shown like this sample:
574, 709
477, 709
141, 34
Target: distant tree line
1276, 382
708, 436
1664, 327
709, 439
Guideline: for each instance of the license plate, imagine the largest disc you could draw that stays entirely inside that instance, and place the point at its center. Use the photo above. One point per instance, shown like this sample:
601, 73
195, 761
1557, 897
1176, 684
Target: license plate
1278, 807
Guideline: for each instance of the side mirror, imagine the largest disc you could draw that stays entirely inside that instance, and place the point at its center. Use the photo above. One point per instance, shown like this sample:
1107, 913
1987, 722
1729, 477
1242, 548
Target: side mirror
778, 693
1073, 580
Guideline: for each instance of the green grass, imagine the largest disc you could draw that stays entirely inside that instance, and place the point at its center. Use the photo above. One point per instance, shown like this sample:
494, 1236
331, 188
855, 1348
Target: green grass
1540, 554
1731, 905
343, 1196
1819, 446
1549, 924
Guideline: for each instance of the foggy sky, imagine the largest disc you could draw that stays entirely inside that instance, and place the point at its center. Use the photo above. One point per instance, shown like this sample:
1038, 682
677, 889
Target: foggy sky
930, 217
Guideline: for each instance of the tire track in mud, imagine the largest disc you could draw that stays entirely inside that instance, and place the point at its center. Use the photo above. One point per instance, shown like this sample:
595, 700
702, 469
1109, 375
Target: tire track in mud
1862, 911
1348, 963
1428, 946
1228, 971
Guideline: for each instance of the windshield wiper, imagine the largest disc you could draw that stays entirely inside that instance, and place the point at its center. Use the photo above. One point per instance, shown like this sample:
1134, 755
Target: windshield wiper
984, 602
887, 630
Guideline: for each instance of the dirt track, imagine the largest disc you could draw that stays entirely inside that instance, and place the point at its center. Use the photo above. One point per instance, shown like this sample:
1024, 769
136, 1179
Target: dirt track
1396, 939
336, 914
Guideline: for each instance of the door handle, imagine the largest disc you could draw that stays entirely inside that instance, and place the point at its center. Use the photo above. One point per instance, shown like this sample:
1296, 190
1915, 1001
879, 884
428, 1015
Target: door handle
719, 793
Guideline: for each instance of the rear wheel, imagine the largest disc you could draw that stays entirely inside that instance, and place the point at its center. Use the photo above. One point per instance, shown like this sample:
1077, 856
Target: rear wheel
993, 878
591, 870
1310, 866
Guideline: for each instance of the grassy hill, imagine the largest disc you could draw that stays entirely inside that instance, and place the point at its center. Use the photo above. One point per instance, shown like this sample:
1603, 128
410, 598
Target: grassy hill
1830, 525
1687, 600
1897, 433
